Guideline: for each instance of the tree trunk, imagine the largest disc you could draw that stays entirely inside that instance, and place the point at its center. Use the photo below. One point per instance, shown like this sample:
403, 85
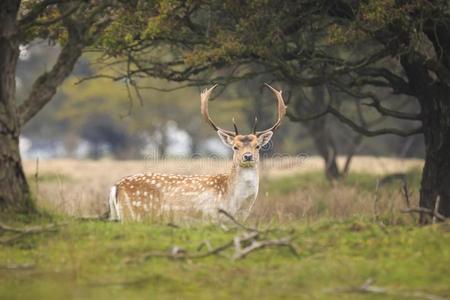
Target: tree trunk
434, 99
317, 128
325, 146
195, 145
163, 141
14, 190
436, 171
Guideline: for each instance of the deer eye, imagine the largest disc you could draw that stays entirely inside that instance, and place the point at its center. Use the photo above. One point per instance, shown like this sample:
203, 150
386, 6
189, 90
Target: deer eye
258, 146
235, 148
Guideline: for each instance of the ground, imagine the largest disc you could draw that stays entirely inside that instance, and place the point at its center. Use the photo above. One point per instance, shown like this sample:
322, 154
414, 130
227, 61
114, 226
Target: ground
345, 233
98, 260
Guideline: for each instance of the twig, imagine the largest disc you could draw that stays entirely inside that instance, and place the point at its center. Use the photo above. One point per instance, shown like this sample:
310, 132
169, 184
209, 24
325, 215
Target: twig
436, 209
368, 288
406, 193
227, 214
436, 216
243, 245
423, 210
256, 245
28, 230
175, 253
205, 243
242, 226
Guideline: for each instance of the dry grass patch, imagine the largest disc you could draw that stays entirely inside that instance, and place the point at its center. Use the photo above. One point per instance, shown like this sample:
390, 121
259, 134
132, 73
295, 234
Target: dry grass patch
291, 188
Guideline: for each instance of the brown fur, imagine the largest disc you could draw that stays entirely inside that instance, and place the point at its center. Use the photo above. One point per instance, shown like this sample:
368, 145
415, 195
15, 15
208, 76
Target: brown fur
145, 194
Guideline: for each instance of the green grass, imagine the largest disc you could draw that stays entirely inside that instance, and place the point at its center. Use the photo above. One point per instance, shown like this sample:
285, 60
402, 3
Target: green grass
101, 260
363, 181
98, 260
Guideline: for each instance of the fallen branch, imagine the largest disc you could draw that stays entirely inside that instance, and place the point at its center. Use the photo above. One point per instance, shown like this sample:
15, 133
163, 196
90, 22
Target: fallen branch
244, 244
434, 213
28, 230
368, 288
178, 253
21, 232
256, 245
422, 210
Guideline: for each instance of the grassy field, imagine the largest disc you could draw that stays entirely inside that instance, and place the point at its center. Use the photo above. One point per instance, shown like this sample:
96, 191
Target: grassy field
345, 233
80, 188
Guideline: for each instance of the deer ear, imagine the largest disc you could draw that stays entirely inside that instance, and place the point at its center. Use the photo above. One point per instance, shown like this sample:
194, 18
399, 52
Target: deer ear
226, 138
264, 138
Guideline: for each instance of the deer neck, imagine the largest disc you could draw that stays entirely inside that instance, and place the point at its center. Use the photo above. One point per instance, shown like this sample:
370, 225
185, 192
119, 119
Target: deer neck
243, 184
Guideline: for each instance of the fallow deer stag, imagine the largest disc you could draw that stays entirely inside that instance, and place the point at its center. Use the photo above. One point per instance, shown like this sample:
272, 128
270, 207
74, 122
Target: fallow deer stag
138, 196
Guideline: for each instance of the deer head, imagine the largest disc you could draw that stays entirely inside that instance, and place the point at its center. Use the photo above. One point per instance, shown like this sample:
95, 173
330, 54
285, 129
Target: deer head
246, 147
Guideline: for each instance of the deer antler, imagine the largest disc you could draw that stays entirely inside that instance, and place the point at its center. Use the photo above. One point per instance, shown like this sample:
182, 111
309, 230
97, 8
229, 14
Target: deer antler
281, 108
204, 98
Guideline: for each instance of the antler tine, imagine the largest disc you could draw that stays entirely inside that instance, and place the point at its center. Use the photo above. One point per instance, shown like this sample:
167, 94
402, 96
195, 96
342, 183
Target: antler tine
281, 109
254, 125
236, 131
204, 98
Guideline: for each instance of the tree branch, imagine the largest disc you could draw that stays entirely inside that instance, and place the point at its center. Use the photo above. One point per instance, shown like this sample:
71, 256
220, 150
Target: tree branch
296, 118
367, 132
397, 83
45, 86
376, 103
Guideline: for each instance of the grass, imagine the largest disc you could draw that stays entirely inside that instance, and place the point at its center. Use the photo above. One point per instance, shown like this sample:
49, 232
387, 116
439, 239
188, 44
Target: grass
363, 181
98, 260
341, 238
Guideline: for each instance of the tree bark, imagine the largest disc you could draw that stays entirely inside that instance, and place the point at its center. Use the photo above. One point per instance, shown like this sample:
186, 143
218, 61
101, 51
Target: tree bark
436, 171
434, 98
14, 191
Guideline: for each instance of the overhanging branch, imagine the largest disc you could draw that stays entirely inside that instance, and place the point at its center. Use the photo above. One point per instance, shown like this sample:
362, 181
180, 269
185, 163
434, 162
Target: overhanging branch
358, 128
376, 103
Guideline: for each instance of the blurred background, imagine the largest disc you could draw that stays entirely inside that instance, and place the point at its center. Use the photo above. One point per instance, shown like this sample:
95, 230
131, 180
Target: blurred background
96, 119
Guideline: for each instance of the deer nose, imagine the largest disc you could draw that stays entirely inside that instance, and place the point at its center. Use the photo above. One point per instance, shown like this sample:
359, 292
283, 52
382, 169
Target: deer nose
247, 156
